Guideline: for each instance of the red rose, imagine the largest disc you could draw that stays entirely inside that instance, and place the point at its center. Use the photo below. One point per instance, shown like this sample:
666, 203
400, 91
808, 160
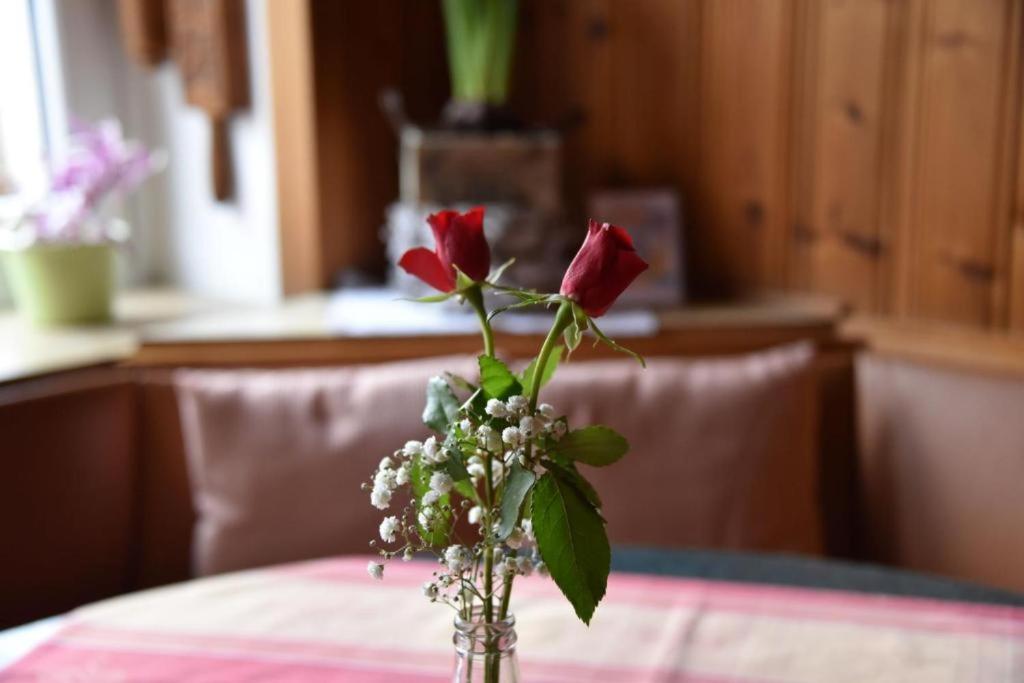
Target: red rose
459, 241
602, 269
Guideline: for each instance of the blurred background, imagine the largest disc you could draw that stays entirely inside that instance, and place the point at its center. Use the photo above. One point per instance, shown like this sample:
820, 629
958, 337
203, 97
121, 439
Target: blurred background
222, 185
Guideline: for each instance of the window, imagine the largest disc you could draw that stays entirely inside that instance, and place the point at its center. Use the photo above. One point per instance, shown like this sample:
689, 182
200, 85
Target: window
22, 123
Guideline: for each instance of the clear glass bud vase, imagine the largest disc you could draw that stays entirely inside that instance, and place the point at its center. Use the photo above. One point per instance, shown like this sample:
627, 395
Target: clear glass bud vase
485, 652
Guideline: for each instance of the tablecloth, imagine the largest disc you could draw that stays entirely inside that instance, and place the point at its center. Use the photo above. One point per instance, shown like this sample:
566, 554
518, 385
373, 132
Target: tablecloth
327, 620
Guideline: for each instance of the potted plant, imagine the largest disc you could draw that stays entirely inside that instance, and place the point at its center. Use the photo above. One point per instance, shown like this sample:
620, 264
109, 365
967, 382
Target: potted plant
59, 255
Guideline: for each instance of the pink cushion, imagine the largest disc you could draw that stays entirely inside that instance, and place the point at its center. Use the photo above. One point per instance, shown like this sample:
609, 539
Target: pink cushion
724, 451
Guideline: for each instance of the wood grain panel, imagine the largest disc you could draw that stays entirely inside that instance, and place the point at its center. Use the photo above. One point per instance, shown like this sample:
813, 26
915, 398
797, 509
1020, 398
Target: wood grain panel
739, 235
840, 247
357, 54
564, 77
655, 55
290, 37
958, 206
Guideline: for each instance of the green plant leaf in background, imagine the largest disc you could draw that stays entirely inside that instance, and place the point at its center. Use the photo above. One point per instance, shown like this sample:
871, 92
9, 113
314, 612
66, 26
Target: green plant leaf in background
442, 406
481, 38
496, 379
596, 445
517, 485
572, 542
549, 368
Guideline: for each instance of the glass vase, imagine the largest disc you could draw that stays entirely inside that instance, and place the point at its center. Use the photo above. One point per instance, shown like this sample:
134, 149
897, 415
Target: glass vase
485, 652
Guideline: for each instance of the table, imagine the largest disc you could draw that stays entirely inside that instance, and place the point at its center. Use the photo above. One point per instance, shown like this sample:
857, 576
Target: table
327, 620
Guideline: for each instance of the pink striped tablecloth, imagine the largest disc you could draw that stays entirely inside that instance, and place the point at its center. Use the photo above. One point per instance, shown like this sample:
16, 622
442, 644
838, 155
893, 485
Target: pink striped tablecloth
328, 621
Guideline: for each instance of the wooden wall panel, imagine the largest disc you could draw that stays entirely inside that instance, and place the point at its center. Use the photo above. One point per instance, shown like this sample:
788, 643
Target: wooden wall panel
951, 266
739, 237
1015, 299
865, 149
357, 54
838, 242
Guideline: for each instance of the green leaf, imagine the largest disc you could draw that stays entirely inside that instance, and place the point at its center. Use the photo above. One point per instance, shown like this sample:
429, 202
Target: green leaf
596, 445
517, 485
460, 381
463, 281
432, 299
465, 488
442, 406
572, 337
570, 474
498, 311
497, 272
496, 379
549, 368
572, 542
476, 403
453, 464
419, 481
601, 336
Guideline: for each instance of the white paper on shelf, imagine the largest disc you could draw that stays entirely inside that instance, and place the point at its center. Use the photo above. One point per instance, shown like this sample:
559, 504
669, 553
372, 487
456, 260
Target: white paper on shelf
383, 312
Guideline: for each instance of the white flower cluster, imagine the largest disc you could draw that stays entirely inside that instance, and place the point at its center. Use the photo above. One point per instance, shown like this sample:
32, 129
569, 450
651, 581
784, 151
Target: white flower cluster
506, 432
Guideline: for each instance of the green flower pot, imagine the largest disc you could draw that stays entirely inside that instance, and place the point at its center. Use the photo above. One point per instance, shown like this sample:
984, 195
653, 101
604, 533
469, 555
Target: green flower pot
60, 284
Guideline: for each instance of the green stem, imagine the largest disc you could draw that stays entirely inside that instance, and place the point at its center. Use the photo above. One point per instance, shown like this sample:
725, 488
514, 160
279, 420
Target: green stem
474, 295
563, 318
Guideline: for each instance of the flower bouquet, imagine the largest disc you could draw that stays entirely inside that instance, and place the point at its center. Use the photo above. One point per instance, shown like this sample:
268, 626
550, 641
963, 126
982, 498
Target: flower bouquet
59, 254
497, 491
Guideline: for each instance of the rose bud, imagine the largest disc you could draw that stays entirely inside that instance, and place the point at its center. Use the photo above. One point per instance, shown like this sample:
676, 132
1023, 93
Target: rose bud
602, 269
459, 242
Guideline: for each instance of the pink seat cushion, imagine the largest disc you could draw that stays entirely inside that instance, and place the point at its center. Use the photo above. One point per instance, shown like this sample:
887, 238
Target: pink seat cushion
723, 451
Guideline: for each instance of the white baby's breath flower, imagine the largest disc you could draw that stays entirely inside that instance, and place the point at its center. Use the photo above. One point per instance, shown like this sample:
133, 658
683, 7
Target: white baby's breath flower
402, 474
475, 514
457, 558
388, 527
375, 569
496, 408
528, 426
547, 410
385, 479
475, 467
512, 436
524, 565
488, 438
386, 463
425, 517
407, 555
466, 426
430, 590
527, 526
518, 404
511, 565
430, 448
431, 497
441, 482
515, 539
558, 429
380, 498
412, 448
